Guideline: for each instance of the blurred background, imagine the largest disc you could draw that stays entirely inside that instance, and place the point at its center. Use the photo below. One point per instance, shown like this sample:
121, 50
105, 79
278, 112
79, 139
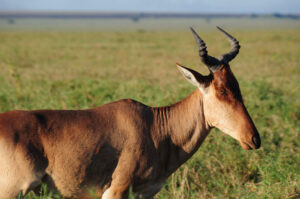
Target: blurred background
73, 54
124, 15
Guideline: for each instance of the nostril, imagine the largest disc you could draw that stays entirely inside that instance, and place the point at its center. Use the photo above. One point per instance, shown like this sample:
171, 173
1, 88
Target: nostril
256, 141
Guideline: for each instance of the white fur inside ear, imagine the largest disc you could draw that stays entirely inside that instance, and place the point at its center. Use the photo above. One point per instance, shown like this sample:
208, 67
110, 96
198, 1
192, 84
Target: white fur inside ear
189, 76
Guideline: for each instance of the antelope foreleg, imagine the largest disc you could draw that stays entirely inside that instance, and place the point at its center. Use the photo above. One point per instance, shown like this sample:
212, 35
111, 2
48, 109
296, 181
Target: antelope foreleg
122, 177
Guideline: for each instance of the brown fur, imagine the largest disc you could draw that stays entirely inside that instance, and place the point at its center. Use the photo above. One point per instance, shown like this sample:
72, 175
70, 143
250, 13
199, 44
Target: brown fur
118, 144
111, 142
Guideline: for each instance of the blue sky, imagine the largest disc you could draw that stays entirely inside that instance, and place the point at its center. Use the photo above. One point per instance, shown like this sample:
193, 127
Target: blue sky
201, 6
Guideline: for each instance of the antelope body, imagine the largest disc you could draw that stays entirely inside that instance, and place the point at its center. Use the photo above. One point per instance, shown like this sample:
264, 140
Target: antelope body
123, 143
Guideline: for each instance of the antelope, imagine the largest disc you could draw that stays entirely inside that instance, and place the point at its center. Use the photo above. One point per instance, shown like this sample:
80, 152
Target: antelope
124, 143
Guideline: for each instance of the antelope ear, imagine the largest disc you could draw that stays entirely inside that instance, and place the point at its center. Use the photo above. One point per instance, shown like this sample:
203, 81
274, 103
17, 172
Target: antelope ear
193, 77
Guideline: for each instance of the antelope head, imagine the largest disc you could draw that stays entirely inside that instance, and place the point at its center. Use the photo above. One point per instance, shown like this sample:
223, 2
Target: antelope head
222, 101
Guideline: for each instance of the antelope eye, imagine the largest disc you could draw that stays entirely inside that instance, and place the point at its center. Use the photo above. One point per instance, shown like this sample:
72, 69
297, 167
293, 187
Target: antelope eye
222, 92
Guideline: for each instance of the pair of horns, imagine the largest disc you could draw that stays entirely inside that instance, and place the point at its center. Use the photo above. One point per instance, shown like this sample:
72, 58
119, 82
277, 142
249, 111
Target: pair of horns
212, 63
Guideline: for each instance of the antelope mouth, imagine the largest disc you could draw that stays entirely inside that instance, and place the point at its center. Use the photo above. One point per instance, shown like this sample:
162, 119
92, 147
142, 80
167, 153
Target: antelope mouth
254, 144
247, 146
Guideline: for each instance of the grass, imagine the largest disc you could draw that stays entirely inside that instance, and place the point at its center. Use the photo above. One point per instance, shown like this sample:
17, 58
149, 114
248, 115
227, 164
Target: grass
77, 70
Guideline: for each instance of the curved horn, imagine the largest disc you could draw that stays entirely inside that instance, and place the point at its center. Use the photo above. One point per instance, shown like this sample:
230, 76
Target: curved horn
235, 47
212, 63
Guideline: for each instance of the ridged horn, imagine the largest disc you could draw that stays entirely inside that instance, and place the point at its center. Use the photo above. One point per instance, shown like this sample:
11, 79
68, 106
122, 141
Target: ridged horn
212, 63
235, 47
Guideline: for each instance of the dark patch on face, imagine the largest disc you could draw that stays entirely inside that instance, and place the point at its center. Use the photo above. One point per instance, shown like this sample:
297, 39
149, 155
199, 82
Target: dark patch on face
226, 85
16, 137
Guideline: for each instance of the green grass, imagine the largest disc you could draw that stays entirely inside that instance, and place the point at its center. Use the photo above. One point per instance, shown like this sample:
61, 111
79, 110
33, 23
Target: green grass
51, 70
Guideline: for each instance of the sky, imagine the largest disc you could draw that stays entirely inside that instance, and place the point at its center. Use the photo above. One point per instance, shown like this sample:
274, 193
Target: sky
185, 6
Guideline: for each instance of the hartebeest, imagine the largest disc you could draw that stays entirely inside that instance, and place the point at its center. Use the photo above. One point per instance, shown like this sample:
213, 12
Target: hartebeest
123, 143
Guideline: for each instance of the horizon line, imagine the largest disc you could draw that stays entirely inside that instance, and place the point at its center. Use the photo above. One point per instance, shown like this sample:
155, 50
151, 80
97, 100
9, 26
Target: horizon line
144, 12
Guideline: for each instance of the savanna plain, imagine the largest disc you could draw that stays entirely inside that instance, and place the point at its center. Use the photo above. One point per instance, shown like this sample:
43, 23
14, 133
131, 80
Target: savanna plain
79, 70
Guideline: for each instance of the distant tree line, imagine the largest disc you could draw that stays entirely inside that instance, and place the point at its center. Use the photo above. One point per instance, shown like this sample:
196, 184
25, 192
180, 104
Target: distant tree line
134, 16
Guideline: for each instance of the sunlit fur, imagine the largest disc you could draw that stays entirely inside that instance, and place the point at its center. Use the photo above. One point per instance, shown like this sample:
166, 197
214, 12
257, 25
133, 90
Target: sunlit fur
225, 109
119, 144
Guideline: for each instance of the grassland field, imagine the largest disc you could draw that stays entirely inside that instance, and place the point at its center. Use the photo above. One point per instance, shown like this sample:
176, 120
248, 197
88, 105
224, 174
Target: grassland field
78, 70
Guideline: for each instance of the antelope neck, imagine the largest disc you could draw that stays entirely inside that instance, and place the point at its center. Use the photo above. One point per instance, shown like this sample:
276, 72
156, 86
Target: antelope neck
182, 123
